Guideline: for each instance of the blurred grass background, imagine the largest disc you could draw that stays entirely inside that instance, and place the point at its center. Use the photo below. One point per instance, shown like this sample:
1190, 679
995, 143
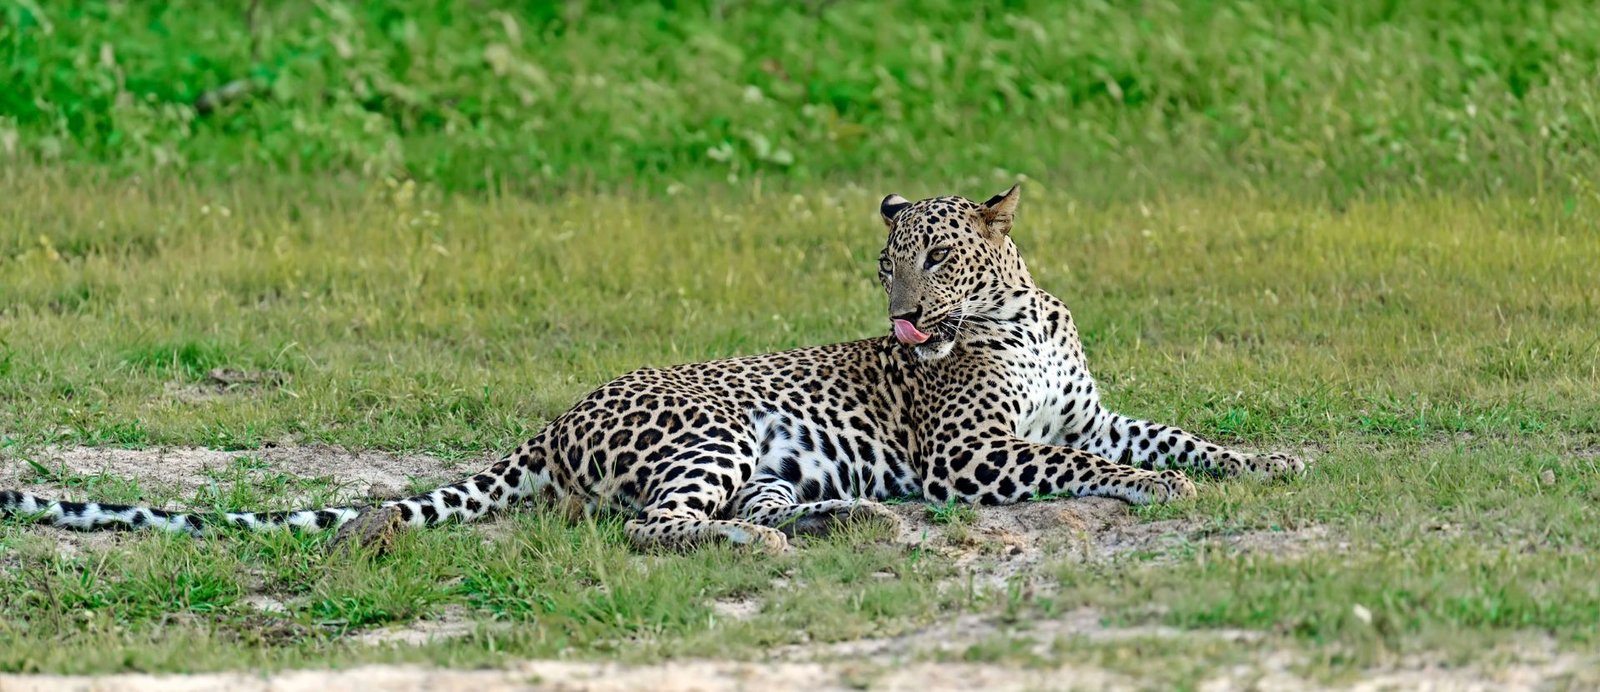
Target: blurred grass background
1330, 100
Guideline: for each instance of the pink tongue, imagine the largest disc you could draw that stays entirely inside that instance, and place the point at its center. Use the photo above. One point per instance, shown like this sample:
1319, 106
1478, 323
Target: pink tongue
906, 333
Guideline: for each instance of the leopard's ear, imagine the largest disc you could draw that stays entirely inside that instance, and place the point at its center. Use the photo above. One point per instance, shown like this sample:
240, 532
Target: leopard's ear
891, 207
999, 211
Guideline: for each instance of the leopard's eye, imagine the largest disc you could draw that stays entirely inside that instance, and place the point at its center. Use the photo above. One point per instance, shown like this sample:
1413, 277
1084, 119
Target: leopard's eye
937, 255
885, 266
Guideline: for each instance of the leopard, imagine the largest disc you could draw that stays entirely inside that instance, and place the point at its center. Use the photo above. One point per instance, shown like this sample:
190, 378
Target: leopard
979, 392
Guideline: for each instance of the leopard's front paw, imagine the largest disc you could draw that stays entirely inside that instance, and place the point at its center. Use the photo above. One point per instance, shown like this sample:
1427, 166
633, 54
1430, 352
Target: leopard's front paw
1274, 465
871, 510
1164, 486
1176, 485
773, 542
766, 539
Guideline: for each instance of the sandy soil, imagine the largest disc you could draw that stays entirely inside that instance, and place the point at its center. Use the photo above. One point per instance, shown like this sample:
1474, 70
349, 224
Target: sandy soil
684, 676
1003, 542
717, 676
184, 469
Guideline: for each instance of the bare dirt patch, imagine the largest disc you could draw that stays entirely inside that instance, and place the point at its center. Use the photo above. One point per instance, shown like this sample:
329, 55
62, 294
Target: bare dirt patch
449, 623
736, 608
1001, 542
266, 603
716, 676
183, 470
955, 637
680, 676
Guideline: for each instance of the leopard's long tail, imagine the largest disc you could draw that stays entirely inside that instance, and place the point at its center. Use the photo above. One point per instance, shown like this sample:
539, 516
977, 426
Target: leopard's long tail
516, 477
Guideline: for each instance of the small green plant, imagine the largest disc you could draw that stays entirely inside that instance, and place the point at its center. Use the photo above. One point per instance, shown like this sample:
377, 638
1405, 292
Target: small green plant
952, 513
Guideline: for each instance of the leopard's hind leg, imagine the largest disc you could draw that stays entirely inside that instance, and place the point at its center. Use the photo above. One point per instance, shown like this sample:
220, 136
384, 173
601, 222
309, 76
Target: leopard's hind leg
771, 501
690, 491
682, 529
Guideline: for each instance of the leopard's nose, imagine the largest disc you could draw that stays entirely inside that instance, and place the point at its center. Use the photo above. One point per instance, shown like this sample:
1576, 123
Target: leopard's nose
911, 317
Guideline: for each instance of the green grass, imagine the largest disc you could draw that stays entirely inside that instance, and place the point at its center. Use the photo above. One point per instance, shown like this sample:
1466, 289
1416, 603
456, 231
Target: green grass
1326, 99
548, 588
1442, 542
1435, 352
1363, 230
1243, 316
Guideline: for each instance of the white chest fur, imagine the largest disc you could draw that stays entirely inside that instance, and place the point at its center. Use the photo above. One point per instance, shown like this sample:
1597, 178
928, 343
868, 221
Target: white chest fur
1056, 393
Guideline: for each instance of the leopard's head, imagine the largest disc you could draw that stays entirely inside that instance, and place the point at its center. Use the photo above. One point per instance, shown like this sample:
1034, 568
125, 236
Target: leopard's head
946, 265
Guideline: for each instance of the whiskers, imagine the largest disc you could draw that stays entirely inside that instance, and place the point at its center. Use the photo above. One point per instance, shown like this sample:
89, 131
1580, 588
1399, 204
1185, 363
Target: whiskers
971, 310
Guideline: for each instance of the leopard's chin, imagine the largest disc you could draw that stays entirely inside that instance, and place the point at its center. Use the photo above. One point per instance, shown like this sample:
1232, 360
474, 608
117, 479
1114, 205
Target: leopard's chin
934, 349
